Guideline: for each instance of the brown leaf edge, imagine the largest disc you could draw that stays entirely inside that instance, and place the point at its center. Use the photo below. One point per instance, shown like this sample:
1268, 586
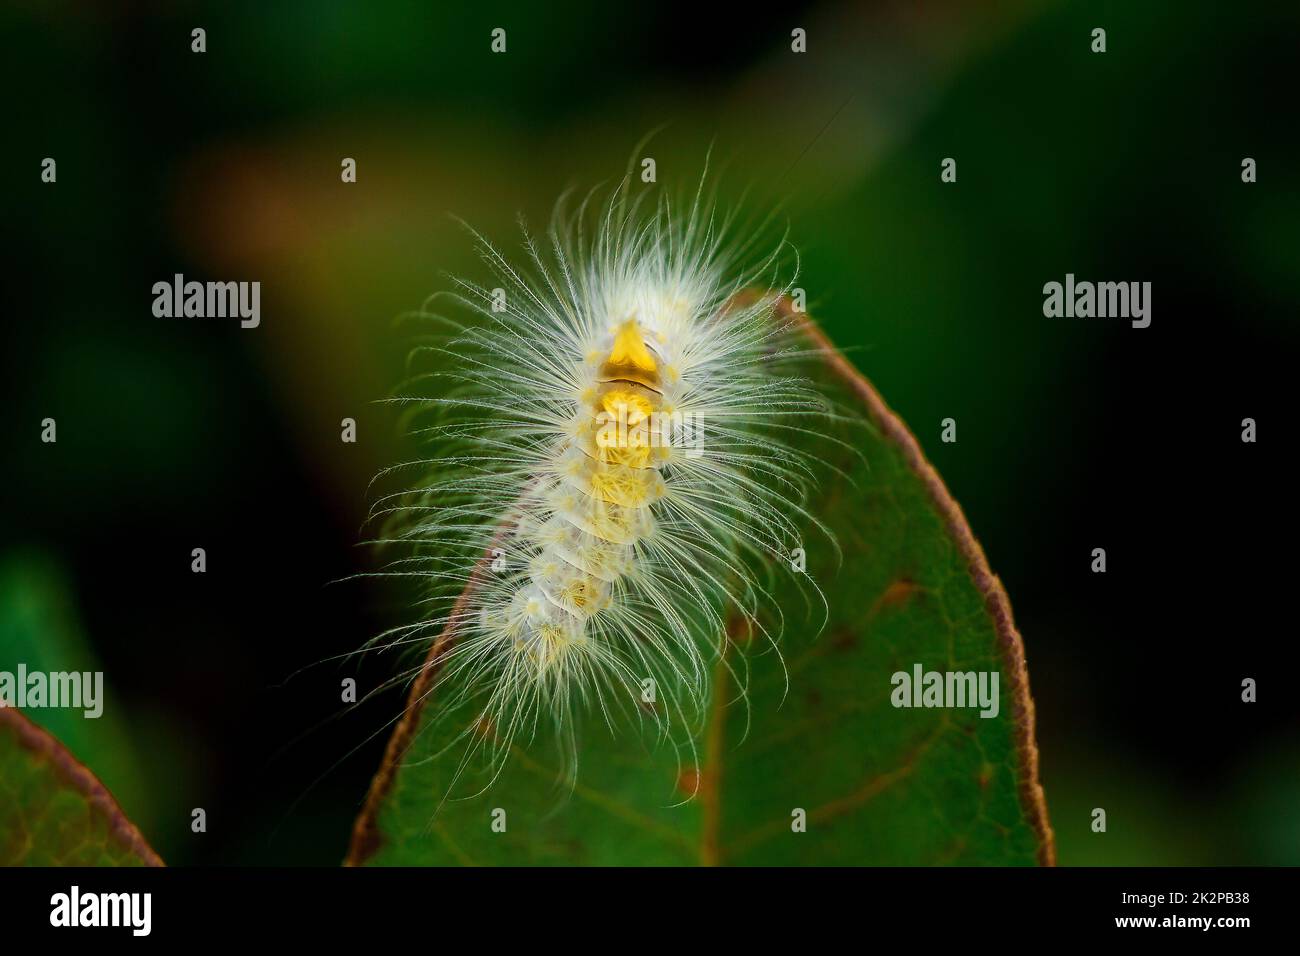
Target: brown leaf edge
366, 838
78, 776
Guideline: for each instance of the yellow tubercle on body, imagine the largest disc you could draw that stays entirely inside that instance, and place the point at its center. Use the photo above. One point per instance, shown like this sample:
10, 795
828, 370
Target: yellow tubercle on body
620, 485
628, 407
577, 593
634, 457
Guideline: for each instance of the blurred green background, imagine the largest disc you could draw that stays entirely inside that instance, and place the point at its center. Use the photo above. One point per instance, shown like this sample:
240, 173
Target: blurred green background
1072, 434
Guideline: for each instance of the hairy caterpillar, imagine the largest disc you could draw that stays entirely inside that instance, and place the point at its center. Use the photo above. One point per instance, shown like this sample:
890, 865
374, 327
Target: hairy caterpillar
613, 471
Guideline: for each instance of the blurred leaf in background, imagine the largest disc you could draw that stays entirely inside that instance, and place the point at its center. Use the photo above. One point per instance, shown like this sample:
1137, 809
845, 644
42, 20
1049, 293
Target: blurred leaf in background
53, 811
39, 627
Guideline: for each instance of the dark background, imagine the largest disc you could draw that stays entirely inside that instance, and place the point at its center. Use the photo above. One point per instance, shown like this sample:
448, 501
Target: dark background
1072, 433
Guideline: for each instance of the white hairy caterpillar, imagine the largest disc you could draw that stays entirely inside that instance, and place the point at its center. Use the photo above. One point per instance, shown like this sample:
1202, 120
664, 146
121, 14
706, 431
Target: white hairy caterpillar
613, 472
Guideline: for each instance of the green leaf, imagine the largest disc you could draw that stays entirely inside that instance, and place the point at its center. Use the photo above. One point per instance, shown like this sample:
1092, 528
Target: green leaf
53, 811
40, 628
878, 784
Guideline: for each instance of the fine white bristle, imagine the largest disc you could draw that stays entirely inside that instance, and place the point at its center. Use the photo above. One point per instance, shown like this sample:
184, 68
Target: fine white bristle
612, 471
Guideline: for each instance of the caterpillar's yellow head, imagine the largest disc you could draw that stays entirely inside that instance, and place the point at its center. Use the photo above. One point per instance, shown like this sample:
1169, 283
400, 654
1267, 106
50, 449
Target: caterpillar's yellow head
629, 358
630, 348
